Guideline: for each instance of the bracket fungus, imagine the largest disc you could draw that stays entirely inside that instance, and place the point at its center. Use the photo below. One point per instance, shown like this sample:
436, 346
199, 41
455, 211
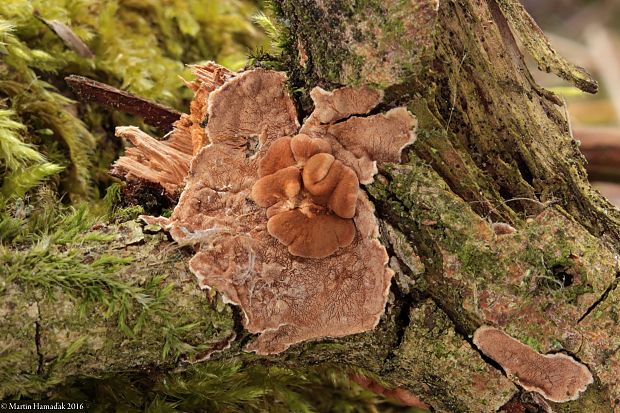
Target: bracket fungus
310, 196
557, 377
275, 213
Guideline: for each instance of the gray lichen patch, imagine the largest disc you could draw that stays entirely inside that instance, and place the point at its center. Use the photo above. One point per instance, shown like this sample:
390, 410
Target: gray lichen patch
407, 255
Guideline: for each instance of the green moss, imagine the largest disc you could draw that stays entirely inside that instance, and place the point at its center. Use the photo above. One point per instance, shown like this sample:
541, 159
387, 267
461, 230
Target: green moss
227, 386
127, 214
593, 399
532, 342
82, 285
478, 259
57, 262
24, 167
428, 353
142, 46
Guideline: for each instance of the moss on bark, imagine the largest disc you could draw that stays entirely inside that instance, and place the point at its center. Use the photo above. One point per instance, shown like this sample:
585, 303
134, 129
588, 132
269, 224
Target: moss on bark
114, 297
493, 147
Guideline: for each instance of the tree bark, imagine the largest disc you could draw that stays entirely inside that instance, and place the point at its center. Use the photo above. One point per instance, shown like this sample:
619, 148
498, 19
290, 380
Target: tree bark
490, 220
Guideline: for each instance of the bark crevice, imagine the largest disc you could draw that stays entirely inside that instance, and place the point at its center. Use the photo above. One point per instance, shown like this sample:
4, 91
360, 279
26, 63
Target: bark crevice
602, 298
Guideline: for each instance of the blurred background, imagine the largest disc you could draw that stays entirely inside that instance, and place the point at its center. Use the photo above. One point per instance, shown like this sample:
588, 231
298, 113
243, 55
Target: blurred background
587, 33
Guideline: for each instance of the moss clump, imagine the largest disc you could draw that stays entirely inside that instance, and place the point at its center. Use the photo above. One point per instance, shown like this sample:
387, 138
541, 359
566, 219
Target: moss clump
142, 46
57, 253
88, 286
24, 167
229, 386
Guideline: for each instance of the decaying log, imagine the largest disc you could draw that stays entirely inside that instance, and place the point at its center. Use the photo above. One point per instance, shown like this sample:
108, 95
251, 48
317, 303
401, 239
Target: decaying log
493, 147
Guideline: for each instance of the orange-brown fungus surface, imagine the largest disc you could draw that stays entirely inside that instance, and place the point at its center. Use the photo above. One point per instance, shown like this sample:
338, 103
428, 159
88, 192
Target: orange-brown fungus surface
276, 216
310, 196
558, 377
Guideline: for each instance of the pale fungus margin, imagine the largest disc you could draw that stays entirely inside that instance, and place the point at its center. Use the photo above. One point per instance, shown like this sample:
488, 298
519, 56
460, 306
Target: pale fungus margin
262, 195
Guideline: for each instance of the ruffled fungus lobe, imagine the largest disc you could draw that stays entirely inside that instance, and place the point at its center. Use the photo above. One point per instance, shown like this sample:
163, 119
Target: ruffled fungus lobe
557, 377
344, 102
310, 196
359, 141
262, 196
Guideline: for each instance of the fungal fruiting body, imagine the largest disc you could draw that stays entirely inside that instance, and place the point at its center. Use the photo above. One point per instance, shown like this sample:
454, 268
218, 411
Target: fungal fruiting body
310, 196
275, 213
557, 377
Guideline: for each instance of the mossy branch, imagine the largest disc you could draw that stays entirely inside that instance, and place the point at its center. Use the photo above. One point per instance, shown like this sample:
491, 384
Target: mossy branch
492, 148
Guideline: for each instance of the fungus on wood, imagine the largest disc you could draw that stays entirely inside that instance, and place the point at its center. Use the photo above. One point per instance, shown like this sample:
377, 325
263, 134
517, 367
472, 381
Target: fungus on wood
166, 162
310, 196
278, 221
558, 377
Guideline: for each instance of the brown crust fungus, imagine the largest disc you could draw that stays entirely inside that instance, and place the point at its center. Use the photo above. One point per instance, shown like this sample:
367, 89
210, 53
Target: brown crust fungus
278, 221
557, 377
359, 141
344, 102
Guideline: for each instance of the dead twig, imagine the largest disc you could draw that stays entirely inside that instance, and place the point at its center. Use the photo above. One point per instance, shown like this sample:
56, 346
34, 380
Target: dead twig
155, 114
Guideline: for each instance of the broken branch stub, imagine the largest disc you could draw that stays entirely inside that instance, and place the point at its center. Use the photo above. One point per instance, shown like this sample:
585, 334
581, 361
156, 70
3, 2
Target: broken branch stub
164, 163
89, 90
535, 42
558, 377
261, 199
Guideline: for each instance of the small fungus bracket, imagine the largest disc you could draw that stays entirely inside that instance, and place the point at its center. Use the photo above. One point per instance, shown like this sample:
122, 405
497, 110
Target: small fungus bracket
359, 141
284, 231
557, 377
